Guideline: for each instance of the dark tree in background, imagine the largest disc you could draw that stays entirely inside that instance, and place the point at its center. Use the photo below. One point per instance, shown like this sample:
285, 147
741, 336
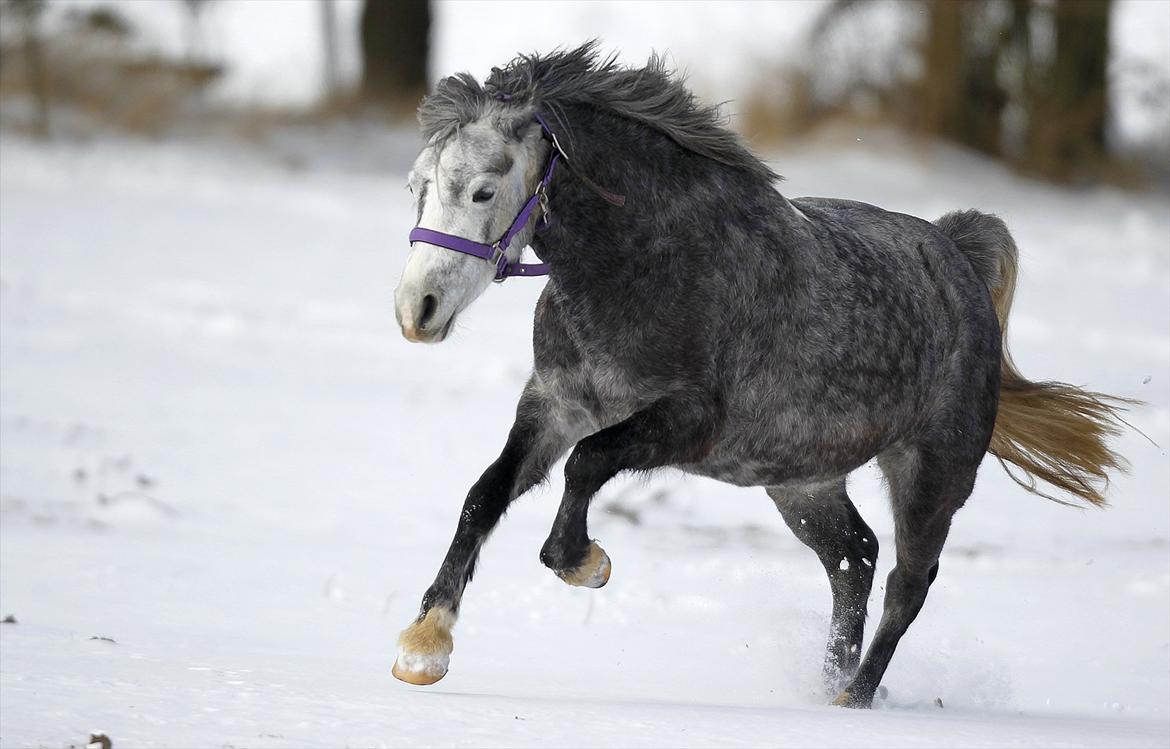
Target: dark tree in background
982, 56
195, 44
1021, 80
395, 41
1070, 95
960, 97
28, 15
330, 80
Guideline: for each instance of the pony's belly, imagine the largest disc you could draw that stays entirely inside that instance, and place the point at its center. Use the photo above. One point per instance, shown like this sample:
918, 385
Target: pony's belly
759, 458
764, 472
741, 473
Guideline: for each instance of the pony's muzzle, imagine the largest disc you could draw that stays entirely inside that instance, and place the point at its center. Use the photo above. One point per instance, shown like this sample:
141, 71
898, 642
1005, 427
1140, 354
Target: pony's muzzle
418, 315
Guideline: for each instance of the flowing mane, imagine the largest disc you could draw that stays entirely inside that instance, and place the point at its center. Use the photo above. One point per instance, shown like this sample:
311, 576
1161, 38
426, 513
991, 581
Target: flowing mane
653, 96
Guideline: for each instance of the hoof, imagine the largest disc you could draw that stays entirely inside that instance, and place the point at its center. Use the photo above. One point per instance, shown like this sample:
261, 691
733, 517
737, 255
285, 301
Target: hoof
427, 673
593, 572
424, 648
833, 684
846, 699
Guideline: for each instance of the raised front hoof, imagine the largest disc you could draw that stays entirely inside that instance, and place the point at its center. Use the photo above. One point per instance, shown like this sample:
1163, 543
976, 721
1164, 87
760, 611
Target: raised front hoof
424, 648
592, 573
848, 699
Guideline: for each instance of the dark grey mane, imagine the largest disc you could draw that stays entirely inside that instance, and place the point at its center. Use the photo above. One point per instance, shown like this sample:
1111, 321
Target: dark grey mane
653, 96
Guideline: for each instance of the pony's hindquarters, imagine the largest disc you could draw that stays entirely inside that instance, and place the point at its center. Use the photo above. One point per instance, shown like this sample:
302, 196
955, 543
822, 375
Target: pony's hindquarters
1050, 430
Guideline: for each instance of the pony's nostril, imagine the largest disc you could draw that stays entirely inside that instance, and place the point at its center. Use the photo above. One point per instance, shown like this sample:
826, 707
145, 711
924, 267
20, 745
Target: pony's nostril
429, 305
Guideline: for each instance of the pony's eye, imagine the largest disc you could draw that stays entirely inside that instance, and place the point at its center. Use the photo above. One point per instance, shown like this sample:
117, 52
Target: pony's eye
483, 195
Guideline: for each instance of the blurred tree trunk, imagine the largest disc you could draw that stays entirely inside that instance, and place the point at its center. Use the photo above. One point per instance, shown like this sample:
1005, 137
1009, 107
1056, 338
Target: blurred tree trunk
29, 12
939, 98
960, 97
195, 50
1070, 103
983, 96
395, 38
964, 92
329, 47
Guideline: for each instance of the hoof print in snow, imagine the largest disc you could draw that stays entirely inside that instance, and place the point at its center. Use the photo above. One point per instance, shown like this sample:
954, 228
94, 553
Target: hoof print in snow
104, 639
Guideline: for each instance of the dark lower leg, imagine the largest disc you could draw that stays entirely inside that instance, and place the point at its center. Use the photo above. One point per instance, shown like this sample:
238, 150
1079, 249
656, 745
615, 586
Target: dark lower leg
519, 467
925, 497
823, 518
532, 446
906, 591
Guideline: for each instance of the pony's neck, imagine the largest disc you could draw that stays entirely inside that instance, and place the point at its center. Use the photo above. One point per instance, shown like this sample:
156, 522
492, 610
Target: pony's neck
607, 154
669, 191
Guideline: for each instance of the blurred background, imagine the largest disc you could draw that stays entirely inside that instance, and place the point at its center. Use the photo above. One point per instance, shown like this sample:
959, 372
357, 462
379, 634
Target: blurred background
1071, 91
226, 479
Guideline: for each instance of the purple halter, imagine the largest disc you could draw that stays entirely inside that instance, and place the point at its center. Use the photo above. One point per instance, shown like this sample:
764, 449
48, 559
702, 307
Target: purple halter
496, 253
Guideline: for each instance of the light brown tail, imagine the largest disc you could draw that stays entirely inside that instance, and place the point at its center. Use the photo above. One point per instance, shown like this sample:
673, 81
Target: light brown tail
1051, 431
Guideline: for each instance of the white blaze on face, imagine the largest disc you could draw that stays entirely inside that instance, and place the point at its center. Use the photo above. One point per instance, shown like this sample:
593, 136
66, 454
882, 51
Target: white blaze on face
473, 189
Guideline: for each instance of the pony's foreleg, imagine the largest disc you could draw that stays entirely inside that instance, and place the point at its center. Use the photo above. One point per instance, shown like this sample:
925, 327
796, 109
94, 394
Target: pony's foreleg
668, 432
534, 443
824, 519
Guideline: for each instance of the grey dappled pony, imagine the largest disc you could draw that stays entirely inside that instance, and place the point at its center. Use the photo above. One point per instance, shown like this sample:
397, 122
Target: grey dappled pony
694, 317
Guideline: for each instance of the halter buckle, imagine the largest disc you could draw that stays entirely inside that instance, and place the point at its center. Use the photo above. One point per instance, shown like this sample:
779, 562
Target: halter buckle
542, 201
500, 261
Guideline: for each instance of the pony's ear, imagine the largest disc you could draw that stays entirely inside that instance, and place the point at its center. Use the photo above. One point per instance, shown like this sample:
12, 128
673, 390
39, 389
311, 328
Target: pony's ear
456, 100
519, 127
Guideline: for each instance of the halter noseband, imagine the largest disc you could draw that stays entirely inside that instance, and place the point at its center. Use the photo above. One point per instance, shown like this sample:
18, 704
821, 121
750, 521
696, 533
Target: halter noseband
496, 253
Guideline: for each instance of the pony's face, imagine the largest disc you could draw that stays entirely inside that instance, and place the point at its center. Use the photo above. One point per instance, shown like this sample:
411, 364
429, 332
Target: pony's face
471, 186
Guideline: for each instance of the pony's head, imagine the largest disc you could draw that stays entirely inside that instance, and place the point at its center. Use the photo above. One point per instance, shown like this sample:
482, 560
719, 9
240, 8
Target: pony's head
482, 161
486, 150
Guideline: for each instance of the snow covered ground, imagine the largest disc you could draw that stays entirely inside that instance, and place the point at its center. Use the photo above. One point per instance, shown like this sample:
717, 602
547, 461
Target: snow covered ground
218, 453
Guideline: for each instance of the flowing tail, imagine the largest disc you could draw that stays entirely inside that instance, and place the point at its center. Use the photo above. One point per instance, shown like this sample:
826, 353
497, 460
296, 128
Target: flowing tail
1051, 431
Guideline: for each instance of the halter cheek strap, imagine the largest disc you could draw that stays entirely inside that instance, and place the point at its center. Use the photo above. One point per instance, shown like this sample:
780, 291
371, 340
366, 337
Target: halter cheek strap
496, 253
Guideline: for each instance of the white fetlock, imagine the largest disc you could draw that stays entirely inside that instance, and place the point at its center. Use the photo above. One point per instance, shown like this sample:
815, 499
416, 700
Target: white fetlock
424, 648
593, 572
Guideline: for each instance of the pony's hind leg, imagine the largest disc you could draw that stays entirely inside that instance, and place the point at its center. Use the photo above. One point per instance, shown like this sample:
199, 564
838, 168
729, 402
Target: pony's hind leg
927, 489
824, 519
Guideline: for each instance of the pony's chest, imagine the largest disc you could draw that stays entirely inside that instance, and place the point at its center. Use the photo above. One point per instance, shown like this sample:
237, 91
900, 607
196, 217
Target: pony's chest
592, 392
579, 370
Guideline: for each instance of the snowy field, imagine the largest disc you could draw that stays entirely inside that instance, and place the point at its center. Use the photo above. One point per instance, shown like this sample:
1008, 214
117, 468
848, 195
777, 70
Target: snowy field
227, 479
